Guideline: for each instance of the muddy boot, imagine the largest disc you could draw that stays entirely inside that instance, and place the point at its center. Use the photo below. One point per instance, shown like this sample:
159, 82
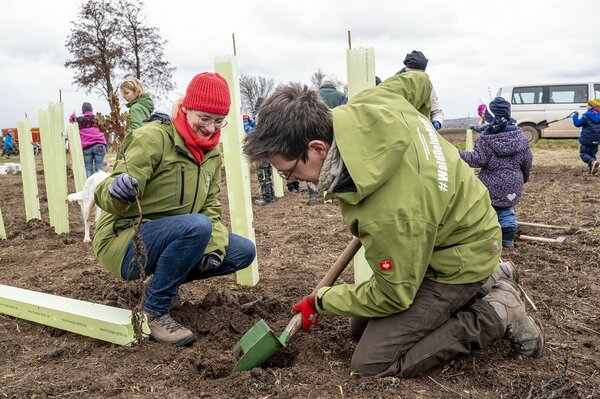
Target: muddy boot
524, 333
262, 202
505, 270
166, 330
594, 166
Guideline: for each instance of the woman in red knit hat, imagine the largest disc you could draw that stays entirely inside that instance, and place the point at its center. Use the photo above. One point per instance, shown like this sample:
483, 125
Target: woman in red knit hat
173, 168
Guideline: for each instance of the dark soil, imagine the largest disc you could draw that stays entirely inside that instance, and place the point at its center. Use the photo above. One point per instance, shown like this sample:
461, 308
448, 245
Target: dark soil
296, 245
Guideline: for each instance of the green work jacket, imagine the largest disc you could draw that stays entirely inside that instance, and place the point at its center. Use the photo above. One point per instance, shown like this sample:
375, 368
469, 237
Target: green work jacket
418, 209
170, 182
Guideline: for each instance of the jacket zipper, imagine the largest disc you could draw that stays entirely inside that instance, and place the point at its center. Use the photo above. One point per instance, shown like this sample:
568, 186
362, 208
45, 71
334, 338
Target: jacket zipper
182, 185
197, 184
181, 151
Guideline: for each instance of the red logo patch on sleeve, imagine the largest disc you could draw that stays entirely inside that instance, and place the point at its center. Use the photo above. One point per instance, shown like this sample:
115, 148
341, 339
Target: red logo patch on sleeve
386, 265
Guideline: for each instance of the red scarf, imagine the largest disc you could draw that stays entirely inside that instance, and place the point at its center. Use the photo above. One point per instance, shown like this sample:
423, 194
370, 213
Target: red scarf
193, 142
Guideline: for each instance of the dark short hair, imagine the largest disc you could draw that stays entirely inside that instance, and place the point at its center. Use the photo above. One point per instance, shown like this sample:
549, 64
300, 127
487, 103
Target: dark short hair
289, 119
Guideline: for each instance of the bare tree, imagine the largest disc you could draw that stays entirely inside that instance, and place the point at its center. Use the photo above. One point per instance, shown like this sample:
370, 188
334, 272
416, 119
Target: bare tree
96, 45
317, 78
108, 42
144, 55
253, 87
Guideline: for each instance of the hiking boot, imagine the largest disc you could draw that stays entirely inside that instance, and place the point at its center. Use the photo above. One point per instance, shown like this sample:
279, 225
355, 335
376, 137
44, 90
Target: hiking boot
594, 167
166, 330
524, 333
262, 202
505, 270
312, 200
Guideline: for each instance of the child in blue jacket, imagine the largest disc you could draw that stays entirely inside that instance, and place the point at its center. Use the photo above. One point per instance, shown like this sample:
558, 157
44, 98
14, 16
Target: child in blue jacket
590, 134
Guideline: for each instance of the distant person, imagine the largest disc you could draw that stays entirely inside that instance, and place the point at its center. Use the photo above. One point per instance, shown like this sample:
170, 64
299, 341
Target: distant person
139, 103
589, 139
264, 170
484, 119
93, 141
416, 61
174, 170
503, 154
332, 96
9, 145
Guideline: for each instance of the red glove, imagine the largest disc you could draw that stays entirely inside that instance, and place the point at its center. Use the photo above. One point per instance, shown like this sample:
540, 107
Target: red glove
309, 312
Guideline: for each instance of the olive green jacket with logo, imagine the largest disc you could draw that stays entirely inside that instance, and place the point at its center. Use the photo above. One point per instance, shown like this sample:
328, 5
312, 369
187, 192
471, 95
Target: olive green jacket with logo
170, 182
418, 209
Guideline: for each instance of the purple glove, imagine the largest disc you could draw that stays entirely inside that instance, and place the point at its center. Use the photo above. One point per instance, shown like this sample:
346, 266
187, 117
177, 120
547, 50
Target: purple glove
123, 188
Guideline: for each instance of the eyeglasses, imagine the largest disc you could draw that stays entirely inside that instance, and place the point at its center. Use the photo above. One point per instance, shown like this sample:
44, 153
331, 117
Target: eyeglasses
286, 175
218, 124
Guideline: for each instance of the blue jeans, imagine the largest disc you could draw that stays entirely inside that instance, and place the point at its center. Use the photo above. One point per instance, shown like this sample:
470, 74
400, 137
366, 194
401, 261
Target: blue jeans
175, 245
94, 157
506, 217
587, 153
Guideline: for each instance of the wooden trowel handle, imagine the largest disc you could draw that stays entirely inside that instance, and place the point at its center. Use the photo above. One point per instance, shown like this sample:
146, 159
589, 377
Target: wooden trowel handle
339, 265
332, 275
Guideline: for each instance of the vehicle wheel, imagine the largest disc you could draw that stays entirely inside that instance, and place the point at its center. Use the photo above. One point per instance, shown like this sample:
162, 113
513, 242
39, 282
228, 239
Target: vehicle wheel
532, 134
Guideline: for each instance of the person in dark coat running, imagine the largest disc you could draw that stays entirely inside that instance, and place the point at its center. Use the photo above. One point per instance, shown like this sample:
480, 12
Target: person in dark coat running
590, 134
503, 154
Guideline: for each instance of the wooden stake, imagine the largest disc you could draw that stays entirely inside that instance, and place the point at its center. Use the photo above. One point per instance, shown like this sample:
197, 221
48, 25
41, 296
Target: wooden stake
349, 40
59, 95
546, 226
234, 50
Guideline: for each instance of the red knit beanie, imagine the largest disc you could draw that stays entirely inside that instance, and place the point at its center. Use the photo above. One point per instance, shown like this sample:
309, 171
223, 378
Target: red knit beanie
208, 92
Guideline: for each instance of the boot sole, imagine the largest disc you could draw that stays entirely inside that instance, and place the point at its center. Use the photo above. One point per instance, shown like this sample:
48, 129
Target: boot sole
182, 342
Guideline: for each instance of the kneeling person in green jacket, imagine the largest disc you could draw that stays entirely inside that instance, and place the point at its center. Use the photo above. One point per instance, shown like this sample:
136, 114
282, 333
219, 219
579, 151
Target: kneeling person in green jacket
430, 234
174, 169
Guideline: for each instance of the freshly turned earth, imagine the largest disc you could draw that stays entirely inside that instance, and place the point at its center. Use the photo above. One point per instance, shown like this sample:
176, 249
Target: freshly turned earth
296, 245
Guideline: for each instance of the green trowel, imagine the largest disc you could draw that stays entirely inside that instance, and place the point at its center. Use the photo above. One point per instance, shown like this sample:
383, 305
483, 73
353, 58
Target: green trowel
260, 343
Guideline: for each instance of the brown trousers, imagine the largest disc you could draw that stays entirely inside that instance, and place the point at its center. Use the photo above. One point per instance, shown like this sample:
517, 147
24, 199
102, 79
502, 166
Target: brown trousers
435, 328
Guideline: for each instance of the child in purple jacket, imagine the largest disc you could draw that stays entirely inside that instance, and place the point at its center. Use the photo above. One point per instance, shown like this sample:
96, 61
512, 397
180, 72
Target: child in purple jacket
92, 140
503, 154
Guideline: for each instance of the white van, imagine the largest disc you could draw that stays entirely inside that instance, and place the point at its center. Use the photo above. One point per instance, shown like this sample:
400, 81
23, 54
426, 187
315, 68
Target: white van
535, 104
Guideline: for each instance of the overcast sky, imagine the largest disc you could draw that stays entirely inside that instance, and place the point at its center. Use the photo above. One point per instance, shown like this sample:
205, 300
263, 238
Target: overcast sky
474, 47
